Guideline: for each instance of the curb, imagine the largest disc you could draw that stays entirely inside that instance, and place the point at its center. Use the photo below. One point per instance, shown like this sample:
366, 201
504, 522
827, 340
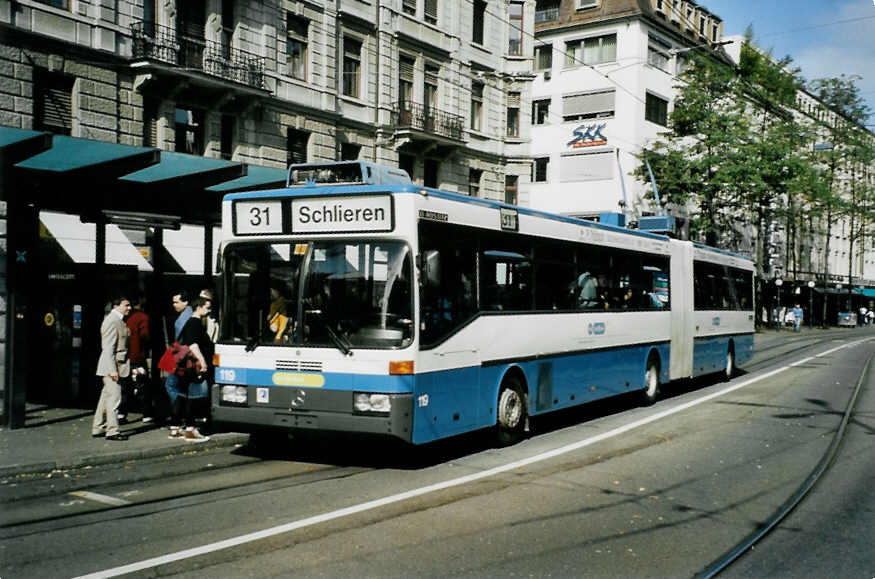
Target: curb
219, 440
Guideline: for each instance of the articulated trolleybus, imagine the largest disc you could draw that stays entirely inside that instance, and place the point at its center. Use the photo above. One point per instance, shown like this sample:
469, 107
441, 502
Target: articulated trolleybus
355, 301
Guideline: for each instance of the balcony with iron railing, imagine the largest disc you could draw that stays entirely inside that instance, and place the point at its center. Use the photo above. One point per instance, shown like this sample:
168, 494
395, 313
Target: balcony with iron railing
164, 44
408, 115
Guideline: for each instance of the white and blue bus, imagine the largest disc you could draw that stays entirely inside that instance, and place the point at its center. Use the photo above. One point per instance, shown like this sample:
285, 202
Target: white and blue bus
356, 301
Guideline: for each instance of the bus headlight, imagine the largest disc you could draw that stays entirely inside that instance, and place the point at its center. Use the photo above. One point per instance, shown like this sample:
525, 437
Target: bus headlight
234, 394
372, 403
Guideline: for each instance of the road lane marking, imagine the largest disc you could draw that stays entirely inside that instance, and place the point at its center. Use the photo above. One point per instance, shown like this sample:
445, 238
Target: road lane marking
99, 498
377, 503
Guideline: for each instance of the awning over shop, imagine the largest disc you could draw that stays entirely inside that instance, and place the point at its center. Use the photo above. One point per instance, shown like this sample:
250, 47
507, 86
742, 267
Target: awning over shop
187, 171
105, 160
186, 246
868, 292
834, 291
257, 177
78, 240
19, 144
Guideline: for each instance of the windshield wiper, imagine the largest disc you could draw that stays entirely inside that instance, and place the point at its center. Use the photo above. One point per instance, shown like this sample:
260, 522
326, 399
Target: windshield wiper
340, 342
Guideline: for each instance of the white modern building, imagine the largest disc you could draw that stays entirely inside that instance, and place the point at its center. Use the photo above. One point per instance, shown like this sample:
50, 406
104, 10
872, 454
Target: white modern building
604, 87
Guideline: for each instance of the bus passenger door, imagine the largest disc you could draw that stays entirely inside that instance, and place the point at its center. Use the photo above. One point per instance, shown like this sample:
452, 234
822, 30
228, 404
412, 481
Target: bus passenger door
681, 283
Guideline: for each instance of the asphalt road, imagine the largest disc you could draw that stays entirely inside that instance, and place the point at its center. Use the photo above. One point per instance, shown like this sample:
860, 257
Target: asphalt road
612, 490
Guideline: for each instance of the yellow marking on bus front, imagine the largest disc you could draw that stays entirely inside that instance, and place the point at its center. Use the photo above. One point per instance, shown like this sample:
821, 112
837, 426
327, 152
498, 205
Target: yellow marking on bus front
295, 379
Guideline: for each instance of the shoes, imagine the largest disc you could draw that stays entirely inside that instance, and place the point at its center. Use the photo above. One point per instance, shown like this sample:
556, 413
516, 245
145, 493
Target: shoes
118, 436
175, 432
98, 434
122, 419
147, 419
194, 435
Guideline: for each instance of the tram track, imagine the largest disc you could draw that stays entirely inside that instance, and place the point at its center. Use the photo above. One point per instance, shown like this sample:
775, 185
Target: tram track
211, 493
738, 550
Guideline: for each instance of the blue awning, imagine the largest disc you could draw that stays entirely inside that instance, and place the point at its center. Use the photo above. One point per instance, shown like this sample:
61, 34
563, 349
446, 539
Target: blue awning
19, 144
257, 177
175, 167
869, 292
71, 154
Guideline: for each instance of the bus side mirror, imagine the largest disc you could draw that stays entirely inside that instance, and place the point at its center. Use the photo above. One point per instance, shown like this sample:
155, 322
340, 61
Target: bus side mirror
431, 267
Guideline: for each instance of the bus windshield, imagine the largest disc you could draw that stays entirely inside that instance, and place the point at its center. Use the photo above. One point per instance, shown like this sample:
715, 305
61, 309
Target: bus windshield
343, 294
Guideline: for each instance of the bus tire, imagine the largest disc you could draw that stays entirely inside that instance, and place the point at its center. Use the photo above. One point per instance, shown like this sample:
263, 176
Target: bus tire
729, 368
511, 413
651, 382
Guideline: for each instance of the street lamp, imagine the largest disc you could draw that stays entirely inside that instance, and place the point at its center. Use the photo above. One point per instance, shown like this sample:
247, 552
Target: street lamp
779, 282
810, 304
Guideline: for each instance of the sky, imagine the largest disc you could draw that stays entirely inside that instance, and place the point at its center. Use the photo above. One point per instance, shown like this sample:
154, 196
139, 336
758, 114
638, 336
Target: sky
825, 38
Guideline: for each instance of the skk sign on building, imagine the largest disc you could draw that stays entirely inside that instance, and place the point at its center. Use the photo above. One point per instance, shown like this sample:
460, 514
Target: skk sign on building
588, 136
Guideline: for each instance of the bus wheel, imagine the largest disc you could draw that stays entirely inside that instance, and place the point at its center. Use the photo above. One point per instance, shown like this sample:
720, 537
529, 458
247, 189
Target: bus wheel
651, 382
511, 413
730, 364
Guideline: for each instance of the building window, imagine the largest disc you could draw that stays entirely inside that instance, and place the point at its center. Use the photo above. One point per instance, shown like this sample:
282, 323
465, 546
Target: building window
296, 146
546, 11
597, 50
540, 112
431, 168
409, 7
226, 140
715, 29
150, 122
511, 189
474, 177
430, 92
658, 53
479, 21
63, 4
656, 110
539, 169
407, 163
583, 4
587, 167
227, 27
53, 102
513, 114
352, 66
405, 80
701, 25
544, 57
350, 151
515, 30
588, 106
189, 129
477, 106
431, 11
296, 46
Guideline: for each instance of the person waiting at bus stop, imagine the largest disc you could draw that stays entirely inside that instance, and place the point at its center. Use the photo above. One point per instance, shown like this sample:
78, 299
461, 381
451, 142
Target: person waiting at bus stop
184, 391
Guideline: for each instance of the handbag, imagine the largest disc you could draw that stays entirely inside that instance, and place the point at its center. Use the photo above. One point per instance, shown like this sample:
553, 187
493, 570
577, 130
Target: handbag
178, 359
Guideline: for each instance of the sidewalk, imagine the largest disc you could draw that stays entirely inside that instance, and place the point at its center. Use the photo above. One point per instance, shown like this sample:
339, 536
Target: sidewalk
60, 438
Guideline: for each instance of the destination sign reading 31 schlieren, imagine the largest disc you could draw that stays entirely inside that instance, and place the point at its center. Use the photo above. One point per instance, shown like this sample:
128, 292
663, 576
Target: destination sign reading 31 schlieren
340, 214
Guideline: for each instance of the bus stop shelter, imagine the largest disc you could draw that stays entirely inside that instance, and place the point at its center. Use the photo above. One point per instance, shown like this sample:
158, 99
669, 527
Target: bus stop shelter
68, 207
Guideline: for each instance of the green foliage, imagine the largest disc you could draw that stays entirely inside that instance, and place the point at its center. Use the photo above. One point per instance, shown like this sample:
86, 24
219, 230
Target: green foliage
739, 152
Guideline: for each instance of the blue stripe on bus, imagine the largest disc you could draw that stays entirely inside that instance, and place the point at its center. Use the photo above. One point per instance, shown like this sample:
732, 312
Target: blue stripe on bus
455, 401
709, 353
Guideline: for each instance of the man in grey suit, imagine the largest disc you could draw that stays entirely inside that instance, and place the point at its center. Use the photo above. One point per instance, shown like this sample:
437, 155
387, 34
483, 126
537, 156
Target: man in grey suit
112, 365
